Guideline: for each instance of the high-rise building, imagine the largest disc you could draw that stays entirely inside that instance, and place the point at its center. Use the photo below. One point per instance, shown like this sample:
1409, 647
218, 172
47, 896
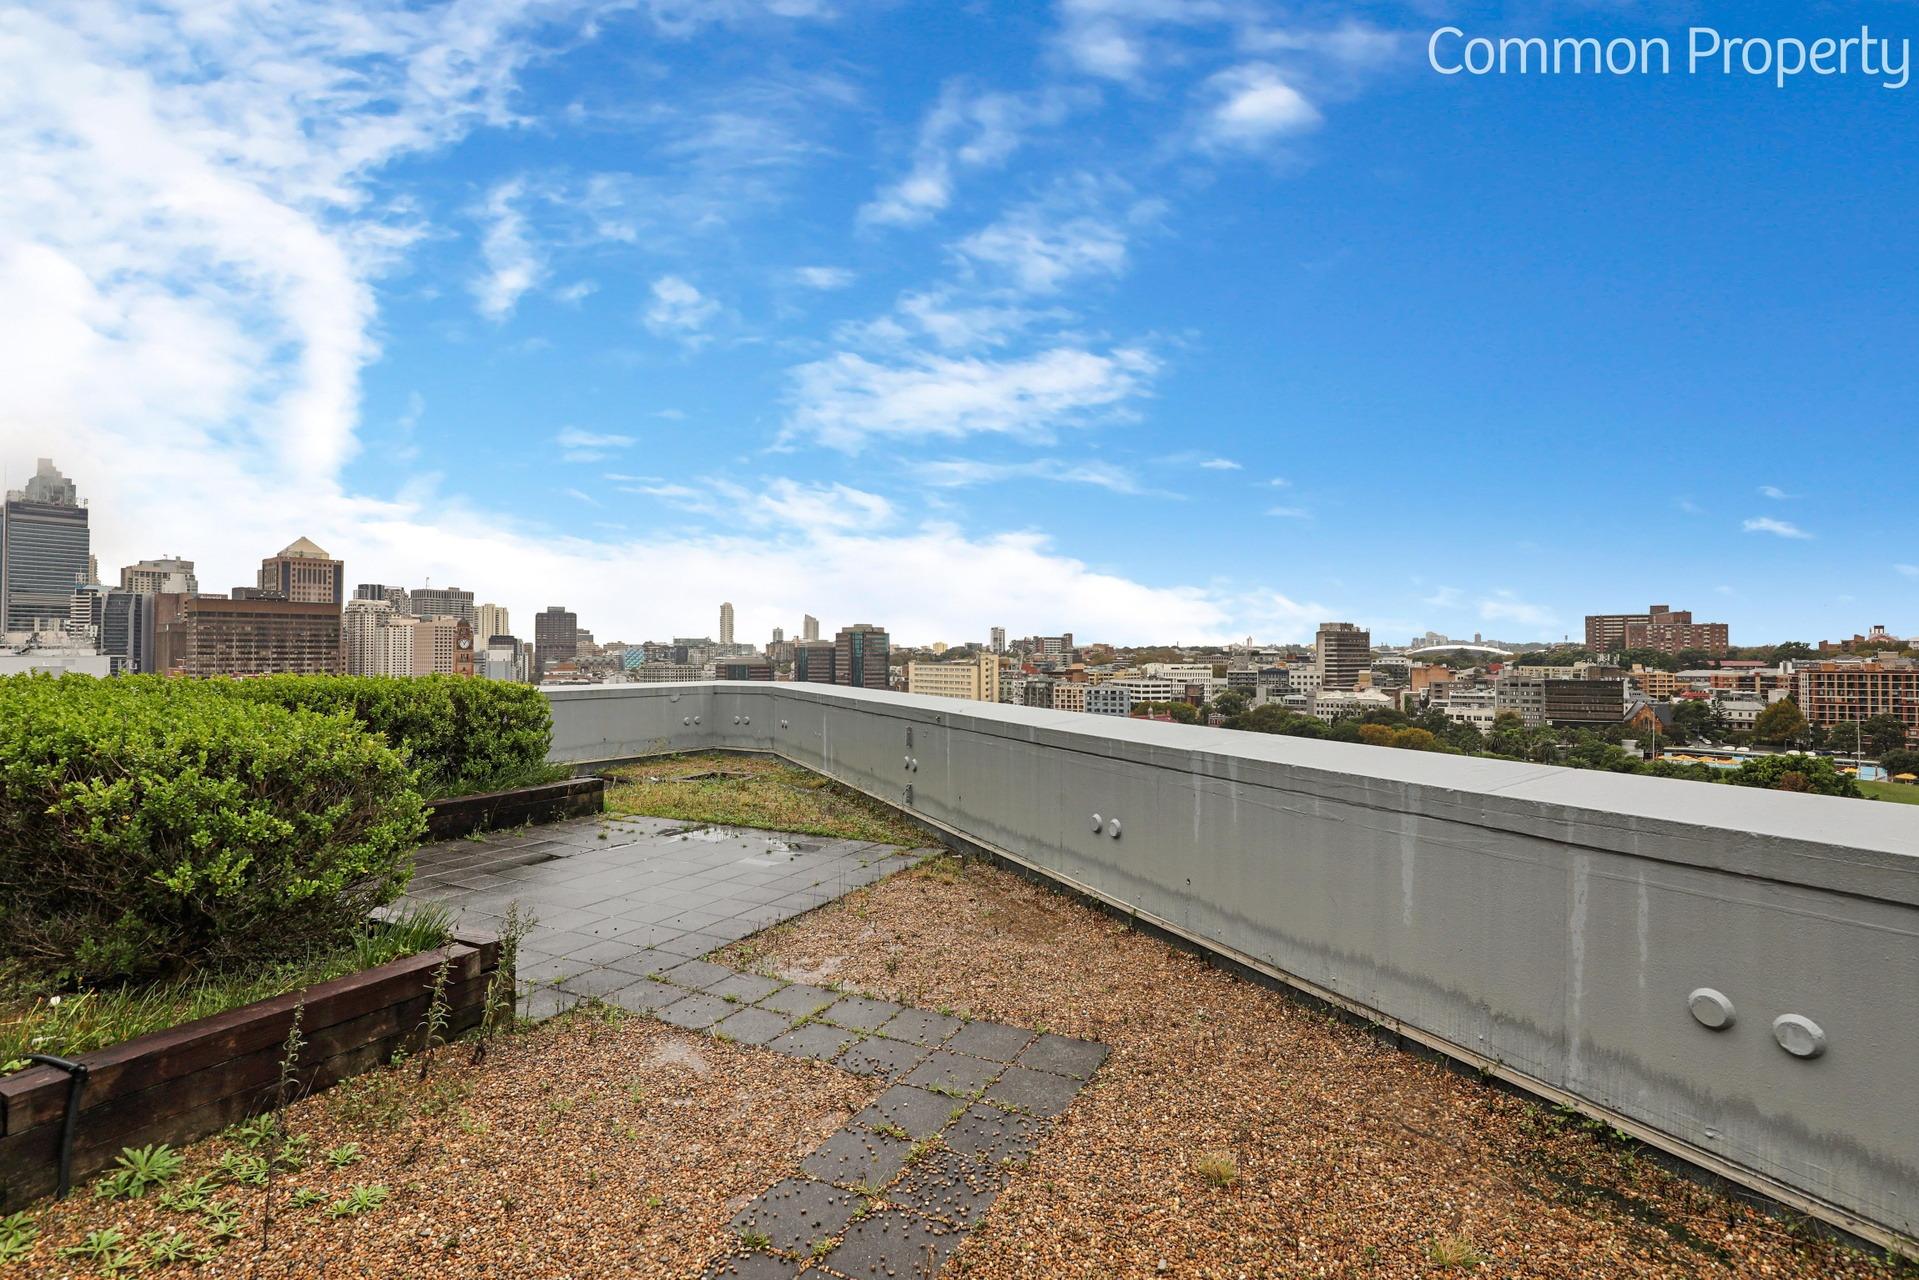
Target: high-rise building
363, 622
556, 636
465, 660
743, 668
303, 574
976, 679
809, 627
863, 651
86, 614
211, 636
396, 646
726, 624
126, 631
1661, 628
779, 635
490, 620
999, 640
396, 597
44, 551
505, 659
816, 661
169, 574
1341, 651
448, 602
436, 644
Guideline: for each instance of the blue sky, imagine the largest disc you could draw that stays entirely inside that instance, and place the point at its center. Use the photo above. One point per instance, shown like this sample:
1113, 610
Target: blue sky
1141, 319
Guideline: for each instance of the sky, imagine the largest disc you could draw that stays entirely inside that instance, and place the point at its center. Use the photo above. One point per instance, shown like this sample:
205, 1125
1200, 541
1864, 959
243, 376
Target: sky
1148, 320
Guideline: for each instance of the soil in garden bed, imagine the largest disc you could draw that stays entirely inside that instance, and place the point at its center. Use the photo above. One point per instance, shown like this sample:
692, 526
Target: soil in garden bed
599, 1144
1341, 1156
753, 791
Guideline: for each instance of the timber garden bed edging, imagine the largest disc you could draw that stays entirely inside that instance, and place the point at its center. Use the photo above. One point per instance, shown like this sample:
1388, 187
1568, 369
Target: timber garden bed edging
189, 1081
456, 816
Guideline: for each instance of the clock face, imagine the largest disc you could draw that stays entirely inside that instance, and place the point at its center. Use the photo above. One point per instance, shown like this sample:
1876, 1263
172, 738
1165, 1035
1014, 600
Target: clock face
466, 642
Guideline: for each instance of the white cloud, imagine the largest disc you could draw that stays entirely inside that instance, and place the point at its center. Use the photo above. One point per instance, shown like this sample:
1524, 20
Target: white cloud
576, 291
585, 446
1773, 491
1290, 513
823, 277
679, 310
1220, 464
1505, 606
514, 264
1254, 104
1444, 598
846, 400
954, 473
1040, 254
1910, 570
962, 131
1784, 528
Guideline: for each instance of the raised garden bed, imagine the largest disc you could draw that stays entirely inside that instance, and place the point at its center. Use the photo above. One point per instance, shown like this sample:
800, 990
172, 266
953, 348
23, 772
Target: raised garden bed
195, 1079
458, 816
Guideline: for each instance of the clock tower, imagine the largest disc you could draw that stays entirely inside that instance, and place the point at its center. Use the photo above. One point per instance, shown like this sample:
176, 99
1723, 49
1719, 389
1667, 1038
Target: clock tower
463, 651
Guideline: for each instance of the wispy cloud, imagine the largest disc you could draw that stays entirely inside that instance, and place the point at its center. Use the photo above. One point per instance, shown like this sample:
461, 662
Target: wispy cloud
1220, 464
1910, 570
822, 277
1773, 491
513, 263
1506, 606
956, 473
1783, 528
964, 130
679, 310
586, 446
1251, 105
1290, 513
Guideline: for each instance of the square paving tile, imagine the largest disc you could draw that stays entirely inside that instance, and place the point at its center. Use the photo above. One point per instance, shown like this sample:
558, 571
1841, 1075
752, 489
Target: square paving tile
892, 1243
1064, 1056
921, 1027
795, 1212
752, 1026
860, 1013
995, 1136
954, 1073
1040, 1092
879, 1056
948, 1188
799, 1000
695, 1013
917, 1112
544, 1002
596, 982
697, 974
744, 987
814, 1040
989, 1040
855, 1156
751, 1266
646, 995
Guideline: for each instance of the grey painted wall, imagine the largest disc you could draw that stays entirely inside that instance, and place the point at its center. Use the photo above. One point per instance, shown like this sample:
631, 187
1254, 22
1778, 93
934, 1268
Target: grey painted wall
1550, 921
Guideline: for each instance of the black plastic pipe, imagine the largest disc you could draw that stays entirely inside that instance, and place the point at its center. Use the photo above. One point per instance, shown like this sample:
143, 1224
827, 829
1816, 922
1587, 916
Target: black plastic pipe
76, 1081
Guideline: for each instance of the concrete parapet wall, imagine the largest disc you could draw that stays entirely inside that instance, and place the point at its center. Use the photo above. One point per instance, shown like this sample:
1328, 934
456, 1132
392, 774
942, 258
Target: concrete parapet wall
1549, 924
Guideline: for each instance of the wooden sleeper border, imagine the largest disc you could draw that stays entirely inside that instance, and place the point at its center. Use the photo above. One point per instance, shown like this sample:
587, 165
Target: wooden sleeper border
195, 1079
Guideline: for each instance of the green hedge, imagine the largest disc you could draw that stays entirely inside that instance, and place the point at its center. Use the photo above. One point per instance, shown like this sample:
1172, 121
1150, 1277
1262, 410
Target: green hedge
461, 735
153, 826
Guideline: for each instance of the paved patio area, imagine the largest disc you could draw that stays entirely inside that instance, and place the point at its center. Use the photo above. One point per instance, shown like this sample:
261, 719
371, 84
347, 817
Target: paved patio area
619, 898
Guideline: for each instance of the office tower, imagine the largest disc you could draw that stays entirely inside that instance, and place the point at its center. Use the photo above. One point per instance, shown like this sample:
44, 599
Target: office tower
1341, 651
809, 627
504, 658
44, 549
363, 623
779, 635
210, 636
975, 679
126, 631
726, 624
168, 574
86, 613
815, 661
749, 667
999, 640
490, 620
436, 644
396, 646
449, 602
303, 574
556, 637
862, 655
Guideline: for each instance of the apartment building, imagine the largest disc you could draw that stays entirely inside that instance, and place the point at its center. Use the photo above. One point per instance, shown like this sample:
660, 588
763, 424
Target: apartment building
1661, 627
211, 636
1829, 692
976, 680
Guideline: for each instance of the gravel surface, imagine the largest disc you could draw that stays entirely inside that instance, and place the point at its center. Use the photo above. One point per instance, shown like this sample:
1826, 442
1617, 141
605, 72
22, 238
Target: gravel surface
1342, 1156
585, 1148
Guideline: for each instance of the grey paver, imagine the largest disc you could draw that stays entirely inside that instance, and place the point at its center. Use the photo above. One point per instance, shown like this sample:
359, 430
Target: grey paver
544, 1002
989, 1040
1064, 1056
860, 1013
1040, 1092
915, 1111
696, 974
745, 987
752, 1026
795, 1212
856, 1156
948, 1188
645, 996
921, 1027
814, 1040
894, 1243
995, 1136
954, 1073
879, 1056
799, 999
695, 1012
596, 982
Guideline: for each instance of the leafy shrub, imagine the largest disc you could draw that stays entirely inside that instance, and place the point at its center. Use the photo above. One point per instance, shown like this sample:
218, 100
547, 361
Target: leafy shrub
148, 826
460, 735
1815, 774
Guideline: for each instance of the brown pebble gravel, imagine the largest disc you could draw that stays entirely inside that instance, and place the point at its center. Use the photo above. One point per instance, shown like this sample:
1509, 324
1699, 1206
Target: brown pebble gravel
582, 1149
1346, 1157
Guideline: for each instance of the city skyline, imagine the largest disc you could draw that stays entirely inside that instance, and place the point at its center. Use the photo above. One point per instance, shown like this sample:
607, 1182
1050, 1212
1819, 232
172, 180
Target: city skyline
1197, 322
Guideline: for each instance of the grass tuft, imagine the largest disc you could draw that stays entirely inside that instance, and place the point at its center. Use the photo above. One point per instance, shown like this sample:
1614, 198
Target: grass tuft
754, 792
1218, 1169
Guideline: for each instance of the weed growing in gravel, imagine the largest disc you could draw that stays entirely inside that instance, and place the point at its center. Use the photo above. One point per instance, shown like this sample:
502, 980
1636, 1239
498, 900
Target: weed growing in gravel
153, 1165
1218, 1169
341, 1157
167, 1247
821, 1247
98, 1245
358, 1201
1454, 1251
307, 1197
222, 1218
17, 1233
243, 1170
190, 1197
752, 1238
891, 1131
